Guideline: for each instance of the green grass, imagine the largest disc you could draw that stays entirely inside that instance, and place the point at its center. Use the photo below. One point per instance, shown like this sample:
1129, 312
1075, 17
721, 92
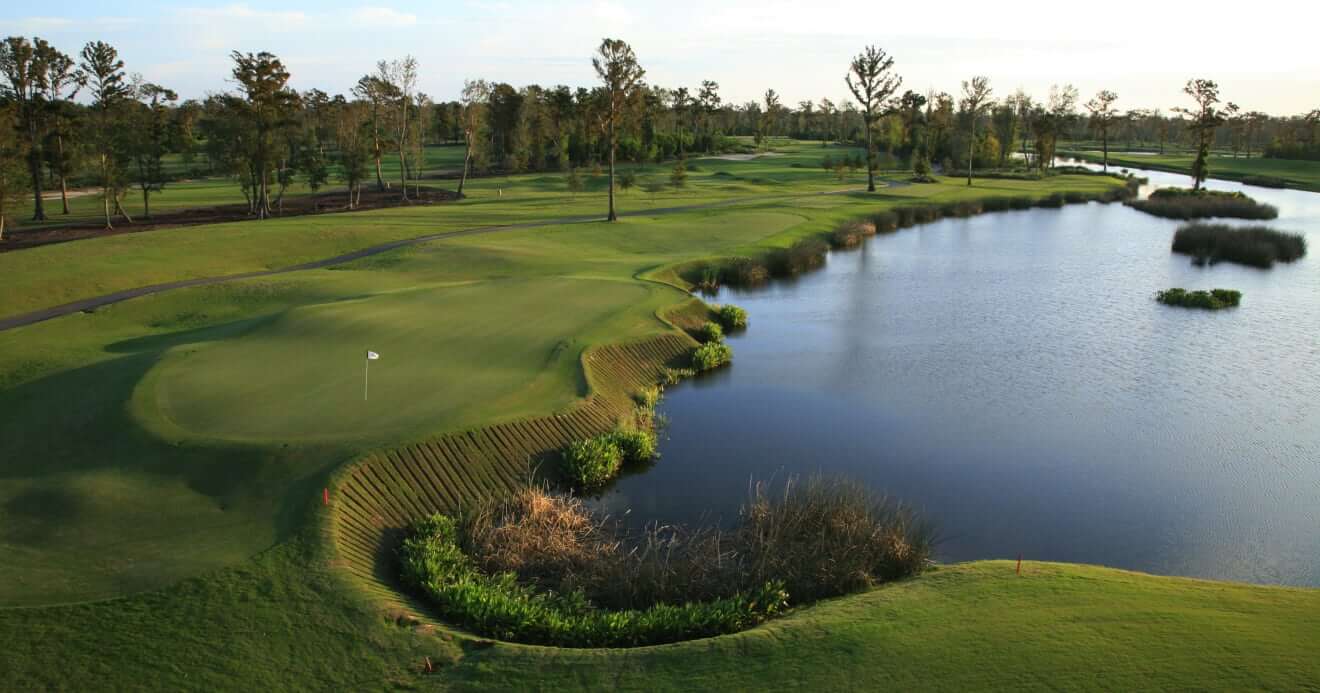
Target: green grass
1303, 175
162, 459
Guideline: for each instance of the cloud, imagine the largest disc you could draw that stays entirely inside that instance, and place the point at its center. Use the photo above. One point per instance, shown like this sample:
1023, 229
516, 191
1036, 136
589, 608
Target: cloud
382, 17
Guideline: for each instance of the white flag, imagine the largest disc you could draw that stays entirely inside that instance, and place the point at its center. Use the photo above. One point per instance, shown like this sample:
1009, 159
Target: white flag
372, 356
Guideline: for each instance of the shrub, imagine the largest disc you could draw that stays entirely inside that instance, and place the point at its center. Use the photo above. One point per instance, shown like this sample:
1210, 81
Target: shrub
591, 463
1265, 181
850, 234
711, 355
1054, 200
1181, 203
1257, 246
711, 332
885, 222
732, 317
637, 445
710, 279
1021, 202
804, 255
744, 271
1210, 300
648, 397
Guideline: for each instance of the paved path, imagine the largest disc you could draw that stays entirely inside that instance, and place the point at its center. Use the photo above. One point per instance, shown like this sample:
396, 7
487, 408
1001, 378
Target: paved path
90, 304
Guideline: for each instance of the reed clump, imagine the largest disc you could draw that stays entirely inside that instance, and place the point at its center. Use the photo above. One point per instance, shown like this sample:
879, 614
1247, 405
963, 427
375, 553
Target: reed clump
1256, 246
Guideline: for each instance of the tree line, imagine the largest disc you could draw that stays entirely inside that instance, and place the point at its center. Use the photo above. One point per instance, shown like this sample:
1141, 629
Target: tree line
85, 119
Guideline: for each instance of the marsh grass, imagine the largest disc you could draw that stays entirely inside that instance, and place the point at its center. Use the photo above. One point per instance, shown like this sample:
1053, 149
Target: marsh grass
710, 332
541, 567
1214, 299
1256, 246
1181, 203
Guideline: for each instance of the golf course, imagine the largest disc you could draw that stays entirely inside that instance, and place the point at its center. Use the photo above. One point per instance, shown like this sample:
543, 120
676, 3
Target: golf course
165, 457
387, 347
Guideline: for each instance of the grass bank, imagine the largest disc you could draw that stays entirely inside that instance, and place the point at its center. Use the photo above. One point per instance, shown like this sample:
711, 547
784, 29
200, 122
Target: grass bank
1302, 175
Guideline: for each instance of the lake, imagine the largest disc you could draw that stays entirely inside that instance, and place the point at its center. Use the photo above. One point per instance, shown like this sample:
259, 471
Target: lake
1012, 378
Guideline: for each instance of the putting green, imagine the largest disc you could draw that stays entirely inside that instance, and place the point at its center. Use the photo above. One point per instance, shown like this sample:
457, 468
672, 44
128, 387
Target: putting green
450, 353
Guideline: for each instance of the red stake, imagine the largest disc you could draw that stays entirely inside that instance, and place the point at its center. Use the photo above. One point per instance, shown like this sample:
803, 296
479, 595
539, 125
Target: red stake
1019, 568
325, 496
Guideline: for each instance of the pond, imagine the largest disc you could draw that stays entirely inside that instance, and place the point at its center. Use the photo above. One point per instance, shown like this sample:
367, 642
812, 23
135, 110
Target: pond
1012, 378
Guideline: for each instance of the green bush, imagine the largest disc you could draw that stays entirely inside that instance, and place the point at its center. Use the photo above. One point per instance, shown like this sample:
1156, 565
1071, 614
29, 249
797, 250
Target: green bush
648, 397
637, 446
732, 317
711, 355
1181, 203
591, 463
432, 562
1053, 201
1256, 246
711, 332
1210, 300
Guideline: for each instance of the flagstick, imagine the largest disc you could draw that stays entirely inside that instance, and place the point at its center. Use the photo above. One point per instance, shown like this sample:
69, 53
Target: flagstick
366, 371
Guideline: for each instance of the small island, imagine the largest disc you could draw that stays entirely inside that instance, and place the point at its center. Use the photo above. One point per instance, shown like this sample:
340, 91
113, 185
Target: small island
1182, 203
1255, 246
1213, 299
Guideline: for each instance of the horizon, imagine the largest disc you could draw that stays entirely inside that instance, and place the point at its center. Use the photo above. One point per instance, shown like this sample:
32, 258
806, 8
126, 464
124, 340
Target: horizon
754, 47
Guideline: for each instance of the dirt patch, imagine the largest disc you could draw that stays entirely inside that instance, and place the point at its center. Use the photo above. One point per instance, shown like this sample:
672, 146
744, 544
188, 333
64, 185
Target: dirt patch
302, 205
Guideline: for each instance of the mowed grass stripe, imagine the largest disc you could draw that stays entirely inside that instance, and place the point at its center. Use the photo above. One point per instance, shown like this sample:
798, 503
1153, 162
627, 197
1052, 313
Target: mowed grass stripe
429, 469
457, 470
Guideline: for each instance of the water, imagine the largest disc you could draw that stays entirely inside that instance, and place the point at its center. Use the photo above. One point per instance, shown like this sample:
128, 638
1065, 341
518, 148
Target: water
1011, 377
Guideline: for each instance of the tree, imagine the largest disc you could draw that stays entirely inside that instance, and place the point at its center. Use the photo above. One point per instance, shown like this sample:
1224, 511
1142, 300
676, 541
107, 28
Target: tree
377, 95
871, 83
63, 83
617, 67
574, 181
354, 150
768, 120
150, 138
26, 68
976, 96
1103, 116
1205, 118
472, 118
1254, 121
267, 112
1006, 120
678, 176
110, 93
12, 174
401, 78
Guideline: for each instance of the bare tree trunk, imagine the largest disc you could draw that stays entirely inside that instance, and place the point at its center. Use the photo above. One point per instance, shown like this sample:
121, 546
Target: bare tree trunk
403, 173
64, 186
105, 194
119, 209
971, 151
870, 173
467, 158
2, 227
34, 166
146, 204
612, 215
1104, 141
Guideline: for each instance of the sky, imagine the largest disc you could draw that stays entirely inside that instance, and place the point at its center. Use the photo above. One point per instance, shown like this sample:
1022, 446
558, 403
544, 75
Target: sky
1262, 53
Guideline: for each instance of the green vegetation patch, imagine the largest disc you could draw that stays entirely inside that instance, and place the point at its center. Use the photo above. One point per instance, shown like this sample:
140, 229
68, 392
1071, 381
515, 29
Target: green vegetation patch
732, 317
1256, 246
711, 355
1181, 203
1210, 300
